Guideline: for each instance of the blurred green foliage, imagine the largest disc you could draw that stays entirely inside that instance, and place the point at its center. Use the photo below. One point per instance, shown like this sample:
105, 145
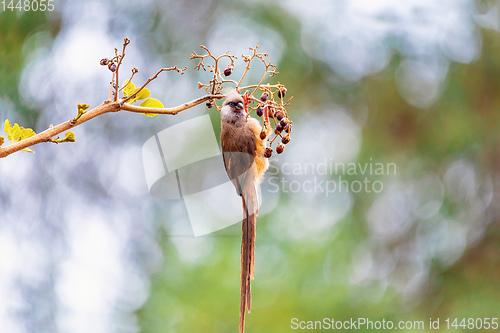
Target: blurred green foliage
16, 28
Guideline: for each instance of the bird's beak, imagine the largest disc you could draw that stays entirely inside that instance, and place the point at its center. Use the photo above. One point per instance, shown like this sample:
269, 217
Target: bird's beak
239, 106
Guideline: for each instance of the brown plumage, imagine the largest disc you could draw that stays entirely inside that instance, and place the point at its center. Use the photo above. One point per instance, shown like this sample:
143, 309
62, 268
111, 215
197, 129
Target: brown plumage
243, 153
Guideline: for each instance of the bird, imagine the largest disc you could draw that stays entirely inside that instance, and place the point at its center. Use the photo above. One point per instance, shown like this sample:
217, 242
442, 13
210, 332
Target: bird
243, 153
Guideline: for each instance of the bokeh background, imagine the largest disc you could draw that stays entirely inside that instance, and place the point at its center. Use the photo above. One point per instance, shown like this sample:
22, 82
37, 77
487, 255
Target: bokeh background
84, 247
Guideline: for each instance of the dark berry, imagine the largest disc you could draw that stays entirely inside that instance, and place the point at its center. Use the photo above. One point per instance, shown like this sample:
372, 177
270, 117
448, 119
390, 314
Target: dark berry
280, 148
259, 112
288, 129
269, 152
112, 67
282, 92
104, 61
279, 128
228, 70
283, 123
279, 115
263, 97
209, 104
263, 135
286, 139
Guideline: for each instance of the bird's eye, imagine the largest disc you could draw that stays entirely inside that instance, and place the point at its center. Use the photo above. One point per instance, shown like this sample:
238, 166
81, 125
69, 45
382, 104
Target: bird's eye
232, 104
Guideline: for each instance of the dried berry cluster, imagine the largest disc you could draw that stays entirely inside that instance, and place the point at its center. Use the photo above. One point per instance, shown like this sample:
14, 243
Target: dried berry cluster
274, 113
110, 63
271, 109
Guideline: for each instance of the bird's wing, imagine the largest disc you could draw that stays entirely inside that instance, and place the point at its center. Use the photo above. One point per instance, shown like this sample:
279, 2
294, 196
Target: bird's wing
238, 160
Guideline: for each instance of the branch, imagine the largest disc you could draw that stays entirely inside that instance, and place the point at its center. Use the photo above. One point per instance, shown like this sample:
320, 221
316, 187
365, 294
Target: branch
173, 111
105, 107
267, 105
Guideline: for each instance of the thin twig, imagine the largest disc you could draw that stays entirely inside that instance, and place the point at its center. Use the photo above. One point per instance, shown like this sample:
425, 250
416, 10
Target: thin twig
134, 71
154, 77
215, 83
248, 60
126, 41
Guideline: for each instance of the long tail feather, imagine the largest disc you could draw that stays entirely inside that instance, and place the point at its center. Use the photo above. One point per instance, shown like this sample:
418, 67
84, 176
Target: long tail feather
247, 254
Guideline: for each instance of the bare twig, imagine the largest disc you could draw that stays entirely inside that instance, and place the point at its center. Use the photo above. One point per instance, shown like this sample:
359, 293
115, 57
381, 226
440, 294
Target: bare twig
152, 78
134, 71
126, 41
216, 82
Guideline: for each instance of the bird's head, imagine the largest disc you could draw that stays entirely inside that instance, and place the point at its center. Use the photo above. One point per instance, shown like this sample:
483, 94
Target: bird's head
233, 104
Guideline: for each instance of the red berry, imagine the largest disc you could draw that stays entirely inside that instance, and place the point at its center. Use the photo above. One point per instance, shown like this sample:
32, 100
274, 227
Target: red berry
263, 97
228, 70
263, 135
280, 148
269, 152
286, 139
259, 112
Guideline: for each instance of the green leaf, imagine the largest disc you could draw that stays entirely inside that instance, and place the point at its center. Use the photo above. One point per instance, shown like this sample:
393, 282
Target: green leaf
151, 103
2, 140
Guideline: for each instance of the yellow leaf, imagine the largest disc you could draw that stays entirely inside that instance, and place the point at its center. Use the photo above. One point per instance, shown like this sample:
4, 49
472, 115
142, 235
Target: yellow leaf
83, 106
151, 103
27, 133
144, 93
6, 129
70, 137
128, 88
16, 132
